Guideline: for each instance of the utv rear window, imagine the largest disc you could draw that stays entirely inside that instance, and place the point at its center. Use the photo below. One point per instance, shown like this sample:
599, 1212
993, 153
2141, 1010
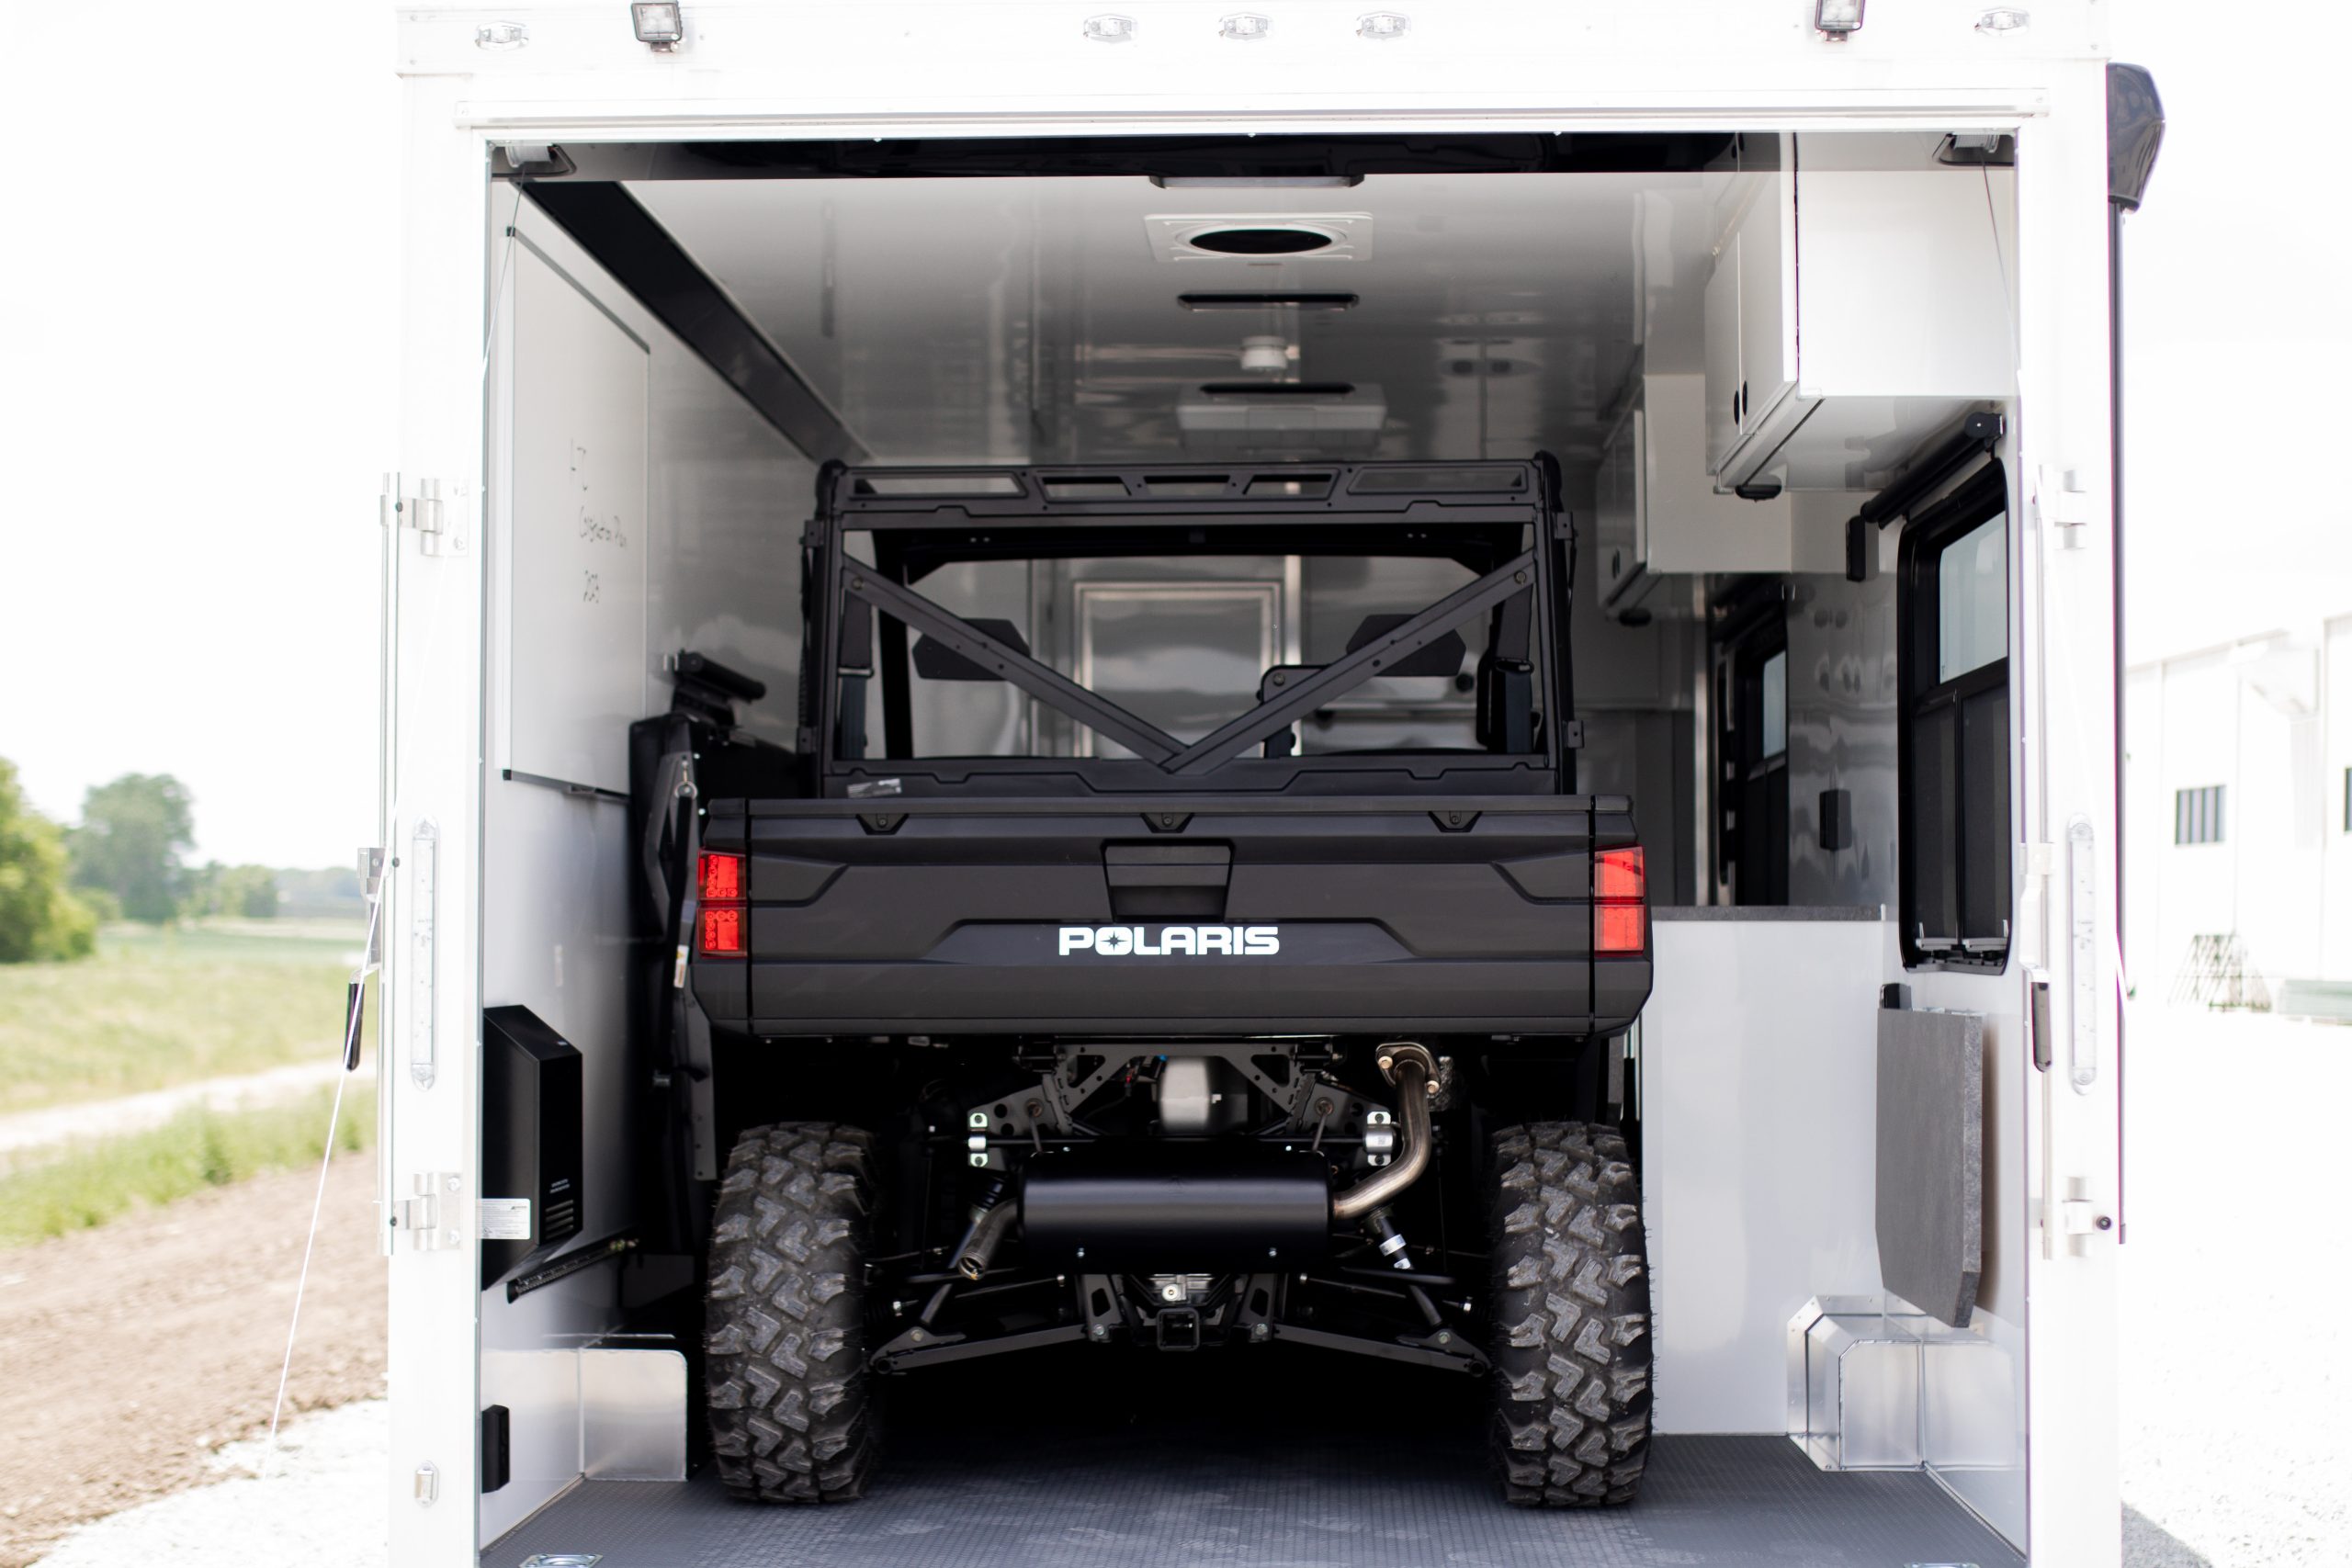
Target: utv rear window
1953, 628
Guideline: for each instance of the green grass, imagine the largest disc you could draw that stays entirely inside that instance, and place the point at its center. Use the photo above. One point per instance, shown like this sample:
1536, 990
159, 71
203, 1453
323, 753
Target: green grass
88, 1184
160, 1006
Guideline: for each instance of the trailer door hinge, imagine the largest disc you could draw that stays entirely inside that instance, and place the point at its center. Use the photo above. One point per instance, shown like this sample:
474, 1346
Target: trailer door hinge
2063, 504
439, 531
420, 1214
2080, 1216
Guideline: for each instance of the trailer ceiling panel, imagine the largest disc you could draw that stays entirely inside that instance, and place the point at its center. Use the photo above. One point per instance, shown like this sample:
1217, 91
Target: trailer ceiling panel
1039, 319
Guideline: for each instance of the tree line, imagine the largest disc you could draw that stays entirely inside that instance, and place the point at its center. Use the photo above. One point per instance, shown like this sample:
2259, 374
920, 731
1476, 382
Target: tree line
126, 860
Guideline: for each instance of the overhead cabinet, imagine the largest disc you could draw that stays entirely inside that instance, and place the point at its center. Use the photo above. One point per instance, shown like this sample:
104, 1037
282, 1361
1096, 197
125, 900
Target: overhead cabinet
1654, 510
1852, 314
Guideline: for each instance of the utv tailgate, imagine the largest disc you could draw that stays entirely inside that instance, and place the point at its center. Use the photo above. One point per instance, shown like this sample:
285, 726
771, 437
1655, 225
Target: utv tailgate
1197, 914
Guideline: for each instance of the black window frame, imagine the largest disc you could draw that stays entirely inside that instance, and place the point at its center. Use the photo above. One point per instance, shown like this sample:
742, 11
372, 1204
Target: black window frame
1752, 799
1957, 847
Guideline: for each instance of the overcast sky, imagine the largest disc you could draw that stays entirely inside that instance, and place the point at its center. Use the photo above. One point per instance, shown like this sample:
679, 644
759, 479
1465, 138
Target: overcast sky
200, 291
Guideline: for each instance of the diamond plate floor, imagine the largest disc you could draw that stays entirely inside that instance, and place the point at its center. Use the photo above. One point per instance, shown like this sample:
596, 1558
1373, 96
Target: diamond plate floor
1331, 1462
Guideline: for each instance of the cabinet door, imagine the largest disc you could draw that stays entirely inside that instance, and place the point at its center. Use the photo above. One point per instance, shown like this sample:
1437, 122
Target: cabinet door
1722, 329
1768, 298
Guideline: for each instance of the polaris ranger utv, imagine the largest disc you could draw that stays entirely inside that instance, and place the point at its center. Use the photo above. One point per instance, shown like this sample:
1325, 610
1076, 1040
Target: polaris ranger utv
1082, 976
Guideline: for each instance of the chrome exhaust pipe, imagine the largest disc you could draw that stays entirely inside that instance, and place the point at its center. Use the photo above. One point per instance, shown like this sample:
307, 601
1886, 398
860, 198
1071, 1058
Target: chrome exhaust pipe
1408, 1064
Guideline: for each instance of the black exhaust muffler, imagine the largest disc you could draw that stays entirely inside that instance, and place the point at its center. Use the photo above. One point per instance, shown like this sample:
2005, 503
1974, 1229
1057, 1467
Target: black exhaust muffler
1168, 1207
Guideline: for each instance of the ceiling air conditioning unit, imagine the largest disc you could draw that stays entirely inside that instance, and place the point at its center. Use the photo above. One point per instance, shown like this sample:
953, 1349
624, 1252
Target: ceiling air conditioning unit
1267, 416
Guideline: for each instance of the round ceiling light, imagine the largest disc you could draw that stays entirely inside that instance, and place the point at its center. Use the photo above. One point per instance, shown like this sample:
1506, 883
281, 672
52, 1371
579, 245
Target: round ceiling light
1259, 242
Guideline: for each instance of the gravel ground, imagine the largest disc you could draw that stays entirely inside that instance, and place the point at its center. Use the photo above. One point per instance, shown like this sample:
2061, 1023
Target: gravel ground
322, 1491
135, 1350
2238, 1394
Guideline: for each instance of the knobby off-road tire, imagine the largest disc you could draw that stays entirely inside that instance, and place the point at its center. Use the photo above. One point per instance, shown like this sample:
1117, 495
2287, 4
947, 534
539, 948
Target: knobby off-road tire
791, 1404
1572, 1318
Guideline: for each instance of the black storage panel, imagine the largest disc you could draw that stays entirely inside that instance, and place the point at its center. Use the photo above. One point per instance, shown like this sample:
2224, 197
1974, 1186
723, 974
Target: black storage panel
530, 1133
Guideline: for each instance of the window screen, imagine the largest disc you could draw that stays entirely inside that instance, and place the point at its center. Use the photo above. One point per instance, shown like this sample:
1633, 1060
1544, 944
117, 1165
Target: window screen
1954, 745
2196, 816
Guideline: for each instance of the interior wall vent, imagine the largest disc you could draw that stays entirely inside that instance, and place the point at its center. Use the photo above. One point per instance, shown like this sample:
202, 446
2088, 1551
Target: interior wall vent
1244, 237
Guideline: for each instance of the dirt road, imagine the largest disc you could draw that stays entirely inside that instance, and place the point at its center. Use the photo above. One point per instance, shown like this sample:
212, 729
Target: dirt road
128, 1353
30, 1133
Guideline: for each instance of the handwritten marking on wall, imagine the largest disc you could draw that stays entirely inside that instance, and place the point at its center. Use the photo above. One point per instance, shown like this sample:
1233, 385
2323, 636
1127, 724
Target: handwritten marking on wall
603, 531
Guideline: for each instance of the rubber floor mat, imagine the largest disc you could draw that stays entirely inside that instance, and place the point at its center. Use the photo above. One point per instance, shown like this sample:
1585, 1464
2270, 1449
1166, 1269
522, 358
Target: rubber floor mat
1110, 1460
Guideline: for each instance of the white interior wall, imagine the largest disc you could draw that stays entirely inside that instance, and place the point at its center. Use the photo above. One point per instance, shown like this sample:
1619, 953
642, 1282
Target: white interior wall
719, 574
1758, 1052
1975, 1418
1843, 701
1759, 1074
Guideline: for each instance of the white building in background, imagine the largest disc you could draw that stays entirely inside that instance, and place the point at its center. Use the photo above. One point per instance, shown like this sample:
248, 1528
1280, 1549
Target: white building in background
2238, 780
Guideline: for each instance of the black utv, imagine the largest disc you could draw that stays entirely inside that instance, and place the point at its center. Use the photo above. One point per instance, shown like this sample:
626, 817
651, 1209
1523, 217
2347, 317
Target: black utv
1175, 929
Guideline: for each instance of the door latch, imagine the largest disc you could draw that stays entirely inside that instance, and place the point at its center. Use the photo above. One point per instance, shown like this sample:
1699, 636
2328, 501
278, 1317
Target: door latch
2082, 927
424, 869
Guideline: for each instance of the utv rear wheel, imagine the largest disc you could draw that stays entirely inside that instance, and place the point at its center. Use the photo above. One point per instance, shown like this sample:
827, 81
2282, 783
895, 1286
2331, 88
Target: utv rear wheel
1572, 1318
790, 1401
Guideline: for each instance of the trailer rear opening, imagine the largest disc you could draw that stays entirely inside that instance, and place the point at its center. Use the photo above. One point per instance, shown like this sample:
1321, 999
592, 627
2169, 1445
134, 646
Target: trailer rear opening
1719, 854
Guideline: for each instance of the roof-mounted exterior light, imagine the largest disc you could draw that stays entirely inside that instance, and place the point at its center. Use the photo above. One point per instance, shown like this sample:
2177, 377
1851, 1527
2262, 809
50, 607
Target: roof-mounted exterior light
1246, 26
2003, 19
1109, 28
660, 25
1382, 25
1837, 20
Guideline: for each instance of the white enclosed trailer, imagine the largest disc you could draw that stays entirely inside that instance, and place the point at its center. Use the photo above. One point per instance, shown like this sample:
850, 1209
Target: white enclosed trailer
1689, 246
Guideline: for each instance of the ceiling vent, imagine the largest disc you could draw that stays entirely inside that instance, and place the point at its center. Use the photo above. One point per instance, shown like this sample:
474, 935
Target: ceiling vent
1260, 236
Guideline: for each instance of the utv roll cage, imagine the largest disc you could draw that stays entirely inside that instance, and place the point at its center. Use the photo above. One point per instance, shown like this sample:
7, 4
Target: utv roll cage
1502, 521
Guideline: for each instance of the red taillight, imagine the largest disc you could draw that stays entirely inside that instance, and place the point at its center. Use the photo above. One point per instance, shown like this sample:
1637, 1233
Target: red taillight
718, 926
1617, 928
1620, 908
722, 877
722, 931
1616, 874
